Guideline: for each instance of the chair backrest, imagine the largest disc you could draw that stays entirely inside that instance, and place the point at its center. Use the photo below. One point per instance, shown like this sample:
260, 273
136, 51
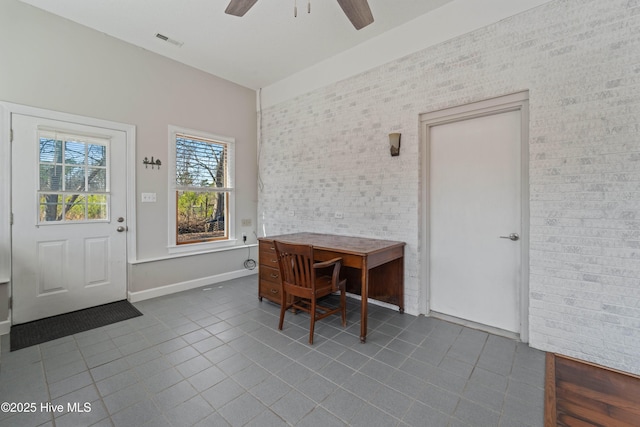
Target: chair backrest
296, 264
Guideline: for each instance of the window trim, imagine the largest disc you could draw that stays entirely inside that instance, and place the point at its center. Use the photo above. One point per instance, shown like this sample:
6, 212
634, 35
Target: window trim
173, 247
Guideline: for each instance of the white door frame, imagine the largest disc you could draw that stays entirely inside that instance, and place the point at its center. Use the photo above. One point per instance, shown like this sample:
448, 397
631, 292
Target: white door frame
514, 102
6, 110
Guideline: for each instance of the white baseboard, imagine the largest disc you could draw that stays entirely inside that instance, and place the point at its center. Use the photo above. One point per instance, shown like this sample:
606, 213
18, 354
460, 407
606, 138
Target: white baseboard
5, 327
185, 286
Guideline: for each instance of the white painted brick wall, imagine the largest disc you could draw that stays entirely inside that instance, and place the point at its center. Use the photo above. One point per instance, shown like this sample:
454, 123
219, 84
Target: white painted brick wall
327, 152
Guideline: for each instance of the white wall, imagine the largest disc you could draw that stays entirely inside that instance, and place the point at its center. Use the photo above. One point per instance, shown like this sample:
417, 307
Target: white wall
453, 19
50, 62
326, 151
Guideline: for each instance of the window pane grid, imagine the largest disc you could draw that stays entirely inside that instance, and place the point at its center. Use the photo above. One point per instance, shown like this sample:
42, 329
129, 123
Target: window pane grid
202, 188
73, 179
200, 163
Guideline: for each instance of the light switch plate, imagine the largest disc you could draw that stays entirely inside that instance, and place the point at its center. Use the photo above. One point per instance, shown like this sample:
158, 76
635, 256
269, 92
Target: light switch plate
148, 198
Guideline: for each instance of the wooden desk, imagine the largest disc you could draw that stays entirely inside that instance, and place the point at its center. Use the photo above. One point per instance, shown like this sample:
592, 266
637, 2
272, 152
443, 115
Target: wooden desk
373, 268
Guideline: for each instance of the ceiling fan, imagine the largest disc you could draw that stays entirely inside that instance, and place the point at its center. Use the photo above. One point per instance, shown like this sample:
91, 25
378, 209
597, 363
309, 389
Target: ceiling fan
357, 11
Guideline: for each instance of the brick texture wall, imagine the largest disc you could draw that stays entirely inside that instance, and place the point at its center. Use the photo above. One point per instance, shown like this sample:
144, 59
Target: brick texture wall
325, 163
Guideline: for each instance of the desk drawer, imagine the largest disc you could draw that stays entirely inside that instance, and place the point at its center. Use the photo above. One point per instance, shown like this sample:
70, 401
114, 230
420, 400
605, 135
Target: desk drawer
269, 290
267, 255
269, 274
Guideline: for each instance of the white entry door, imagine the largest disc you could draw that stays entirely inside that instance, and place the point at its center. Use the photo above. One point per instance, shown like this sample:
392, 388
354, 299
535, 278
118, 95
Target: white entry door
475, 220
69, 229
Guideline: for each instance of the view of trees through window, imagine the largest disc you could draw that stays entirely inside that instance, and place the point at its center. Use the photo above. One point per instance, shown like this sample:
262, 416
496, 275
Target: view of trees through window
72, 180
202, 193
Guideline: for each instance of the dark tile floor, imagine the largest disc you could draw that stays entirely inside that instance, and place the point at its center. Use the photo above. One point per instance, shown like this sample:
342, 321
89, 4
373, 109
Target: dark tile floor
213, 356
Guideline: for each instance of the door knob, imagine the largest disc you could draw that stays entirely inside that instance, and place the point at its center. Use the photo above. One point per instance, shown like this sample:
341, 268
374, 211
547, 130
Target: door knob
120, 219
120, 229
512, 236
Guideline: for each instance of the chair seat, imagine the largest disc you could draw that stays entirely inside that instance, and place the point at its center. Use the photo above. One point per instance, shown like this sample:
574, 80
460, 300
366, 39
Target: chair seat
325, 286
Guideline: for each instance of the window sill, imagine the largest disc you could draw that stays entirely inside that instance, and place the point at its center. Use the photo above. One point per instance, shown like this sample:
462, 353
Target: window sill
194, 248
202, 251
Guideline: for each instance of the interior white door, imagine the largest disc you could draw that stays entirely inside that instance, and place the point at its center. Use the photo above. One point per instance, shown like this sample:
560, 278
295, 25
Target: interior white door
69, 229
475, 177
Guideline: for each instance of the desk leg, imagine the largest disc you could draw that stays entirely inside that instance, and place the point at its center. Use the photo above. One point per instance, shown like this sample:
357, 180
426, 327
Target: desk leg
364, 294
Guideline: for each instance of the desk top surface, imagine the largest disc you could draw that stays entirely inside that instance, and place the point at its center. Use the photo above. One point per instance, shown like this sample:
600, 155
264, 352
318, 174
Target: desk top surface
332, 242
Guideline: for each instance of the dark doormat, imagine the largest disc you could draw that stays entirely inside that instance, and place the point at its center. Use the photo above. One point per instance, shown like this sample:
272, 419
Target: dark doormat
51, 328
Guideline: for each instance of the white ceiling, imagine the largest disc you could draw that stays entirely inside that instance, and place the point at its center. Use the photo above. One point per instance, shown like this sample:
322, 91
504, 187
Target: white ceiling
265, 46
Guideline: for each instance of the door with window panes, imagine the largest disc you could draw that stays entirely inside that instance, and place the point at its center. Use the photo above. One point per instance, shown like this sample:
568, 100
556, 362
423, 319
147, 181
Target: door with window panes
69, 228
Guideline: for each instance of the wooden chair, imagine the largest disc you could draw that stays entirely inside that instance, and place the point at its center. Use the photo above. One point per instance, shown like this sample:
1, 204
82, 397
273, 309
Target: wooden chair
302, 286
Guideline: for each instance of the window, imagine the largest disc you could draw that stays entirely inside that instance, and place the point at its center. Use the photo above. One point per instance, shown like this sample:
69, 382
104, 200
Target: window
73, 178
202, 195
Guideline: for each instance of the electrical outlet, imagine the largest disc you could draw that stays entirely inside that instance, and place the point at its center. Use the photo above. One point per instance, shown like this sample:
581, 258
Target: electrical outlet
244, 237
339, 215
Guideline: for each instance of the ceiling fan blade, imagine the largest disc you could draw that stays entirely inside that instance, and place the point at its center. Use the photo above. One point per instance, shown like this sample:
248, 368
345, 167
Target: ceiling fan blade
239, 7
357, 11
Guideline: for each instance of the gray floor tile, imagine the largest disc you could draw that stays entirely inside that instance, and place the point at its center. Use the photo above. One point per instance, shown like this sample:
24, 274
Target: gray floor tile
241, 410
162, 380
125, 397
108, 369
234, 364
266, 419
70, 384
217, 358
489, 379
293, 407
294, 373
215, 420
182, 355
222, 393
207, 378
362, 385
174, 395
270, 390
475, 414
391, 401
336, 372
343, 404
439, 398
317, 387
189, 413
137, 414
66, 371
193, 366
116, 382
485, 396
420, 415
321, 417
371, 416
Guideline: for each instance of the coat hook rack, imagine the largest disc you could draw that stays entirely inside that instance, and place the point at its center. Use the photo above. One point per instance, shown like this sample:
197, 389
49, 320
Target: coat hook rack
146, 162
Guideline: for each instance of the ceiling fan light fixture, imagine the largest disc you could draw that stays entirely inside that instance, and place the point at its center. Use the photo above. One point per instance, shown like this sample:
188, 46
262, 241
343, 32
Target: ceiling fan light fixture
239, 7
358, 11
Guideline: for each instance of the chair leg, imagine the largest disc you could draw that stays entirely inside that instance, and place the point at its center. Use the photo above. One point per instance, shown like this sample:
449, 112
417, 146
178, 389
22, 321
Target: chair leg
343, 305
283, 308
312, 314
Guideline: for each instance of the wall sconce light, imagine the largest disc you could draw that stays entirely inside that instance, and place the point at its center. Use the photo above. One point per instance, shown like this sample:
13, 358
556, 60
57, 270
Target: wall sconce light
394, 143
146, 162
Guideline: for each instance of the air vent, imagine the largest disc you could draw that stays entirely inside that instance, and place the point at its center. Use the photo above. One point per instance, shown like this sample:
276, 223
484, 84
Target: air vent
169, 40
